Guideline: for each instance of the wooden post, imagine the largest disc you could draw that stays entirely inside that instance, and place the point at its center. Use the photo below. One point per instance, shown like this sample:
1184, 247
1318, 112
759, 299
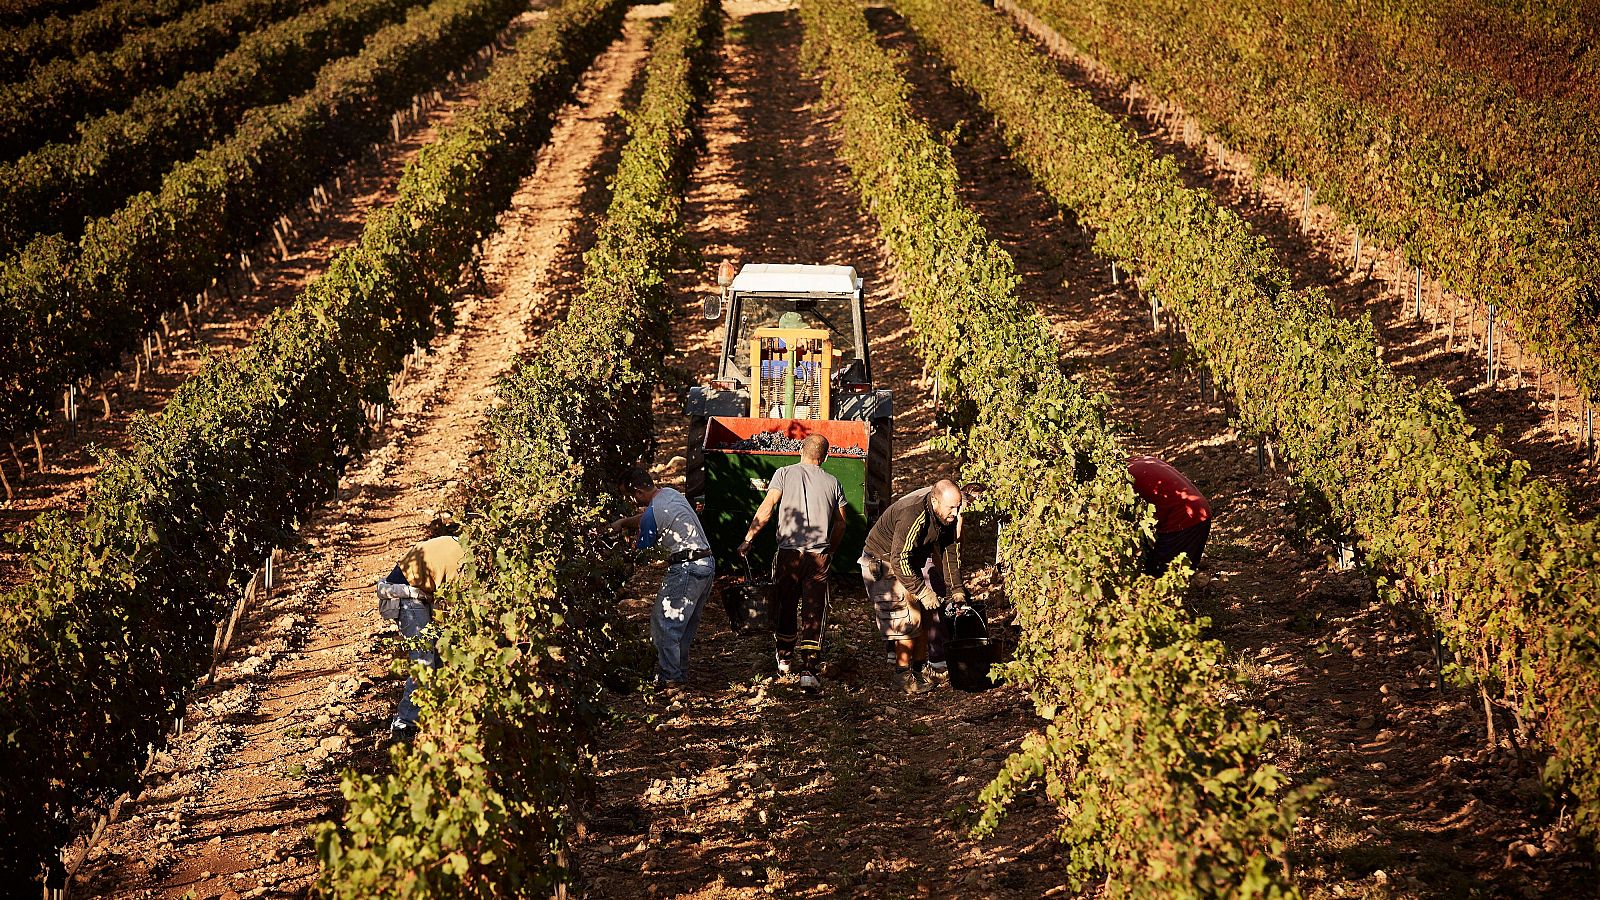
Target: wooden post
1489, 345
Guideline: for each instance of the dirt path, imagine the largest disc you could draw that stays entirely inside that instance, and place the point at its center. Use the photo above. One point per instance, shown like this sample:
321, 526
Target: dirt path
70, 452
1433, 348
745, 788
1416, 806
308, 693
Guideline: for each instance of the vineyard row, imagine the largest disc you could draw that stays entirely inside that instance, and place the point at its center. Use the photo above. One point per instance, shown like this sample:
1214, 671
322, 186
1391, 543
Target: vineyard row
53, 98
100, 28
101, 645
1160, 781
72, 309
485, 803
1495, 556
1491, 192
54, 189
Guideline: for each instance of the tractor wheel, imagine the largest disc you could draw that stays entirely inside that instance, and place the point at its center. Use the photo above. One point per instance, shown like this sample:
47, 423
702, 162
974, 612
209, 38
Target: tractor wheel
694, 466
880, 466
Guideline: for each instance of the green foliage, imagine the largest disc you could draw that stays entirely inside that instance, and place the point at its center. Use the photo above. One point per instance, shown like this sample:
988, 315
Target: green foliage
27, 12
1160, 782
1496, 557
44, 106
72, 309
55, 188
99, 647
1468, 137
483, 804
99, 28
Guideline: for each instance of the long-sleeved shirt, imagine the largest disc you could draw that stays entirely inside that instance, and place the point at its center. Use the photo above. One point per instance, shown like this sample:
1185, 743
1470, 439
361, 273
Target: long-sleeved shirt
908, 534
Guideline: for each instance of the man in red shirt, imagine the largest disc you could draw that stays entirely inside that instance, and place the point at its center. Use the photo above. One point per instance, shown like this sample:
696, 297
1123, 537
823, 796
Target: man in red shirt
1183, 517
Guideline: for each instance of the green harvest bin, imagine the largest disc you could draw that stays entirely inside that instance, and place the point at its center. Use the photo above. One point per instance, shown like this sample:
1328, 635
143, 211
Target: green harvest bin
736, 483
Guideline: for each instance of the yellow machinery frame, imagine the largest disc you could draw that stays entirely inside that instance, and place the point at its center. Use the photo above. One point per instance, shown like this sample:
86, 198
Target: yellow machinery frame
809, 347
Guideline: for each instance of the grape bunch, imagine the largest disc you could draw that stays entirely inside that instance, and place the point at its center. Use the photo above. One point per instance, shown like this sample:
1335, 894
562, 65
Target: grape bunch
773, 442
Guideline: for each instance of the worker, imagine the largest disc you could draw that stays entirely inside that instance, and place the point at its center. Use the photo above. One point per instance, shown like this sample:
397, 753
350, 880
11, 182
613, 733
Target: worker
810, 506
406, 595
667, 524
1183, 515
920, 525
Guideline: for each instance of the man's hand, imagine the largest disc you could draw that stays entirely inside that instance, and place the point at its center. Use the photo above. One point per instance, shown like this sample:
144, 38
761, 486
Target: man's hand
744, 549
618, 524
929, 598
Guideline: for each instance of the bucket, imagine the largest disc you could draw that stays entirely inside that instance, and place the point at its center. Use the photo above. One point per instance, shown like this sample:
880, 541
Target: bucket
746, 603
969, 653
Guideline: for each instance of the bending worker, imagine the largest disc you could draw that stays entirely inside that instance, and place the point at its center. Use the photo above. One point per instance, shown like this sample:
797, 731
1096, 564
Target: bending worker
669, 523
1183, 515
919, 526
406, 596
810, 506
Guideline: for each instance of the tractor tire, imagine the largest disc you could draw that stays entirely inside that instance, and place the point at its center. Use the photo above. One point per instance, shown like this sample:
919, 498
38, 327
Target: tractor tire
694, 456
880, 467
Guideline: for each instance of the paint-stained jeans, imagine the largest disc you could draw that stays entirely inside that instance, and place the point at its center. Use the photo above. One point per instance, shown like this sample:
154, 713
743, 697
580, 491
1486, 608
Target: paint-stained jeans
682, 598
414, 616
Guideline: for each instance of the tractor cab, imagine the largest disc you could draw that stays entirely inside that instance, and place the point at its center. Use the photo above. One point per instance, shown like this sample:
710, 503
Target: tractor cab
794, 361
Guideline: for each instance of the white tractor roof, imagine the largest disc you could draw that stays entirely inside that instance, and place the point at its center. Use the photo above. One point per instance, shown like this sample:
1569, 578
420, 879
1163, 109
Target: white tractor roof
775, 278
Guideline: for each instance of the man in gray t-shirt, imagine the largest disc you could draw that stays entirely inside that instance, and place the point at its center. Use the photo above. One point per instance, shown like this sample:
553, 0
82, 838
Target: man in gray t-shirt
810, 508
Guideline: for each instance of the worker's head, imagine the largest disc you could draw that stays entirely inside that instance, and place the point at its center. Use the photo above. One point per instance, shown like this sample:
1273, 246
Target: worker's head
946, 499
814, 449
443, 525
639, 484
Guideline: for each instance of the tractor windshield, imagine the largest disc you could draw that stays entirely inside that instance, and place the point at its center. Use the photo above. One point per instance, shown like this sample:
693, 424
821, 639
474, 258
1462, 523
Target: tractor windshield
760, 312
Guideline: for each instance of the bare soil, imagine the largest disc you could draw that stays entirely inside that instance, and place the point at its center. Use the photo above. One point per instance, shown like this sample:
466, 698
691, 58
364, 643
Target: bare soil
309, 692
1446, 344
71, 452
746, 787
1418, 804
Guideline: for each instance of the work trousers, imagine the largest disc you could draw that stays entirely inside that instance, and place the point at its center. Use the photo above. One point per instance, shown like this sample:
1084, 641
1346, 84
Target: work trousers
414, 616
799, 601
677, 614
1191, 541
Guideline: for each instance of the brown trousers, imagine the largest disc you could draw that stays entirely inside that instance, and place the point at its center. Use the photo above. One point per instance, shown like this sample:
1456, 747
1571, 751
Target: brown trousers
799, 602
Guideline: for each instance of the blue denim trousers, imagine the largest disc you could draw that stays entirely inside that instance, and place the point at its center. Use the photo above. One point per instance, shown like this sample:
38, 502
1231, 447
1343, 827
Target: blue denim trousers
414, 616
684, 590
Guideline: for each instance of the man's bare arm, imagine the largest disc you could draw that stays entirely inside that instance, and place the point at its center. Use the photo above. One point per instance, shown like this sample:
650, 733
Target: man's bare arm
762, 517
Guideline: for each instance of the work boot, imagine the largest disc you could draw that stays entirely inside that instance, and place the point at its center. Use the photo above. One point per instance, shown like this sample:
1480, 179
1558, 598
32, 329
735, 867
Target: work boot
402, 732
911, 681
810, 683
784, 666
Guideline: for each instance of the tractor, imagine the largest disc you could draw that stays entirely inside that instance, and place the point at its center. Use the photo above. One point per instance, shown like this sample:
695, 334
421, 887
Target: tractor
794, 362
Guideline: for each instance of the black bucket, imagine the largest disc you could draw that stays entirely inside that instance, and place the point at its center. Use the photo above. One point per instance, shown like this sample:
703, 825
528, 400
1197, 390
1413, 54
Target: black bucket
746, 603
969, 653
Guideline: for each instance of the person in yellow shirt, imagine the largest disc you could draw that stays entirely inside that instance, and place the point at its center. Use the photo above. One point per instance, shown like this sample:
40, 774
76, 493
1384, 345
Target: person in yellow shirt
406, 595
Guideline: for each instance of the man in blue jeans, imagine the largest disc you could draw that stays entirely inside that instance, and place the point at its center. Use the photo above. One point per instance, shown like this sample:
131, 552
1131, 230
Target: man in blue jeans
669, 526
406, 596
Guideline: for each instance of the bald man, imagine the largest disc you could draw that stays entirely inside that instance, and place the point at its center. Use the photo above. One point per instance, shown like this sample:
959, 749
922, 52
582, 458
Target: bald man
809, 504
919, 527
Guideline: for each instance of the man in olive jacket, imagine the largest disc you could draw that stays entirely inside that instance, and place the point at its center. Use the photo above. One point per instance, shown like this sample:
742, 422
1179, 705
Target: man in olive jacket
916, 528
